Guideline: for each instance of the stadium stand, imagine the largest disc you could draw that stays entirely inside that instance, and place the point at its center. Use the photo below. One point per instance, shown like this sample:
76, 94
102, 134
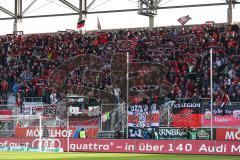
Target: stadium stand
89, 71
27, 61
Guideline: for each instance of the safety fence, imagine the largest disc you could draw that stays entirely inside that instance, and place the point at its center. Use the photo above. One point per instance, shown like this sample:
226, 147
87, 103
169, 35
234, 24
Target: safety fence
169, 120
121, 145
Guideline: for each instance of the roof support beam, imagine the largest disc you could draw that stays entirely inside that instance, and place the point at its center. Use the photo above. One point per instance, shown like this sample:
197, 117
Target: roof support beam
90, 5
123, 10
17, 14
28, 7
6, 11
231, 5
159, 1
70, 5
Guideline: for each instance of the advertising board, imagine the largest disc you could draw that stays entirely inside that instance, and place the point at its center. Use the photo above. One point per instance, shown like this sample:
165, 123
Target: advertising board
131, 146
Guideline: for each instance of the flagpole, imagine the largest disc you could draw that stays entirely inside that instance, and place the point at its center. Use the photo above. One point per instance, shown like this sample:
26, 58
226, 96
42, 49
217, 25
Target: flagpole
80, 12
211, 92
99, 24
127, 88
41, 133
68, 134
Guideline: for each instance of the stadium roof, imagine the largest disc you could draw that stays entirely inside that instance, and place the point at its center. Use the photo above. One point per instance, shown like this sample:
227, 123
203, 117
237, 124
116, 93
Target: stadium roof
167, 14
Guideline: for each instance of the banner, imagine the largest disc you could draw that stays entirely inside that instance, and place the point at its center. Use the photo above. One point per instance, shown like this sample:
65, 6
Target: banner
169, 133
131, 146
91, 111
187, 114
53, 110
231, 118
55, 132
38, 109
163, 133
227, 134
30, 149
143, 116
156, 146
32, 144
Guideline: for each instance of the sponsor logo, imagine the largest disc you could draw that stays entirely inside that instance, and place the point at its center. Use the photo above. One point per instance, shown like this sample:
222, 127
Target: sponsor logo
171, 132
52, 133
207, 115
231, 135
236, 114
46, 143
202, 134
227, 134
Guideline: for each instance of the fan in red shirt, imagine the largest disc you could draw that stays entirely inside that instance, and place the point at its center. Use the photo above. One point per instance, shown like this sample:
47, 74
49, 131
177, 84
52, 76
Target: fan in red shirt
4, 86
225, 100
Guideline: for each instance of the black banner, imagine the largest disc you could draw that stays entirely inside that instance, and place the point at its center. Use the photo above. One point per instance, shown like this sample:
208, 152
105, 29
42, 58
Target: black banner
218, 110
194, 107
187, 114
169, 133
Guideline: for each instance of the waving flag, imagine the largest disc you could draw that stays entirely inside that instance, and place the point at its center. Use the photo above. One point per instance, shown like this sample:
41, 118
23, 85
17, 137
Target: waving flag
80, 24
183, 20
134, 43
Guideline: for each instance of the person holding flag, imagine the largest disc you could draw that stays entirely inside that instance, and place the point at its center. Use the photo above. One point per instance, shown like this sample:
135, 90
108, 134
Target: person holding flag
225, 100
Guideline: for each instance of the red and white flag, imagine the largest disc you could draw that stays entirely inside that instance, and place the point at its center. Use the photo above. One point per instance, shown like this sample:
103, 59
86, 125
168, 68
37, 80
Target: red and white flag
134, 43
183, 20
98, 24
80, 24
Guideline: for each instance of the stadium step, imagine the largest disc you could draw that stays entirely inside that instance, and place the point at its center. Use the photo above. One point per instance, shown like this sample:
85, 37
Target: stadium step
106, 135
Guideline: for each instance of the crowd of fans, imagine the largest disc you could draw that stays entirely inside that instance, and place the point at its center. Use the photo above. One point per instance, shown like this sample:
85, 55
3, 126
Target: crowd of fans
27, 61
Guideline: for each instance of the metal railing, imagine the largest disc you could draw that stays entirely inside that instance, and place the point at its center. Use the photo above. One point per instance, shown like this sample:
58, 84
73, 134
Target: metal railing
32, 99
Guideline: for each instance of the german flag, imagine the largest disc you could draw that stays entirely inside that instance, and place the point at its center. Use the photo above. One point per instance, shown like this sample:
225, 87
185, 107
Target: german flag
80, 24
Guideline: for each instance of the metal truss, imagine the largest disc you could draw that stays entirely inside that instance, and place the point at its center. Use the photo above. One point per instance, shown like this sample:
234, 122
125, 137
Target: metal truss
83, 9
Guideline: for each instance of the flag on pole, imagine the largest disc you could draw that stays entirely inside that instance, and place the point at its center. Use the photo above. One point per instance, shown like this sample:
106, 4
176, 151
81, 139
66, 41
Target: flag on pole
98, 24
80, 24
183, 20
134, 43
132, 48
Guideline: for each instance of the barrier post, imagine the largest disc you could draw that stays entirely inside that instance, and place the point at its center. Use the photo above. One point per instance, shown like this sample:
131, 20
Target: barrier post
211, 92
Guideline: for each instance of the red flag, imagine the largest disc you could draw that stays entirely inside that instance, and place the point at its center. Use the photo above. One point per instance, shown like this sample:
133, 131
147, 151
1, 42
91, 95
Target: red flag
103, 37
134, 43
80, 24
183, 20
98, 24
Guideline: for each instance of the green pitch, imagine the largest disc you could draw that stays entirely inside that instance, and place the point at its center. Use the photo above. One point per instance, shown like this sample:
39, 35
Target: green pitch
106, 156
